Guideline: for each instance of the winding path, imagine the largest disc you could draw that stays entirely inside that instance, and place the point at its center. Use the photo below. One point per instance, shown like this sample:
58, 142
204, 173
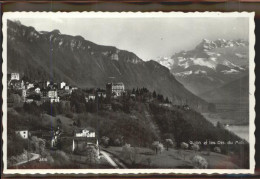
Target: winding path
112, 160
34, 157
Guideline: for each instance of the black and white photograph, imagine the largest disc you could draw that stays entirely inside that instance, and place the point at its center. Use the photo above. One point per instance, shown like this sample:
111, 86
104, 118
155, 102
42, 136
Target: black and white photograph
128, 92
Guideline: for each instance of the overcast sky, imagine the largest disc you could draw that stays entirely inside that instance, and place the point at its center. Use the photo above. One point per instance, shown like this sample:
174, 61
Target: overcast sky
147, 37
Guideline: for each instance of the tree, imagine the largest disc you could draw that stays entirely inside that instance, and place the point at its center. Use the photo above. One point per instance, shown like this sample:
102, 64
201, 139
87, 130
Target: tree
58, 122
154, 94
79, 122
157, 146
169, 143
167, 100
130, 153
105, 141
133, 91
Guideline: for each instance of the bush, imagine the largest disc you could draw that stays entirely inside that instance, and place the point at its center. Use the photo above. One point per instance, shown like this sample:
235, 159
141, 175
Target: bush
38, 145
217, 149
169, 143
105, 141
130, 154
157, 146
184, 146
16, 145
195, 147
199, 162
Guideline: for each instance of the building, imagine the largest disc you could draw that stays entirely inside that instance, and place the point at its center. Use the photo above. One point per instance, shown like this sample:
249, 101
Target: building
23, 133
85, 136
91, 97
62, 85
47, 83
16, 84
53, 94
37, 90
101, 93
30, 85
68, 89
118, 89
89, 133
15, 76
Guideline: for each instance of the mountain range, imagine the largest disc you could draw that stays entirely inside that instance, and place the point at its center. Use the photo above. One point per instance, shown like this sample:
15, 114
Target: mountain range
41, 55
210, 65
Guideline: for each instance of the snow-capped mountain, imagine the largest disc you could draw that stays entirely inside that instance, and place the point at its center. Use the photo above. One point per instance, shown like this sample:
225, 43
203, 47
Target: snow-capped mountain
210, 64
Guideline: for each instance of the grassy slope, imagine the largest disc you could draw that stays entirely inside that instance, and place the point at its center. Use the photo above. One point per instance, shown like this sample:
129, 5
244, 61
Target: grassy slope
173, 159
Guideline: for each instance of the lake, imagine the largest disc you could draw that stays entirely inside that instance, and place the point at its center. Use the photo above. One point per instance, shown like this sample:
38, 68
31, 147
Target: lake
240, 130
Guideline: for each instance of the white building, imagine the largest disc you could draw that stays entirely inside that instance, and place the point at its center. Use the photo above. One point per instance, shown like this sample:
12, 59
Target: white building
86, 133
15, 76
52, 94
30, 85
22, 133
118, 88
55, 100
47, 83
91, 97
37, 90
62, 84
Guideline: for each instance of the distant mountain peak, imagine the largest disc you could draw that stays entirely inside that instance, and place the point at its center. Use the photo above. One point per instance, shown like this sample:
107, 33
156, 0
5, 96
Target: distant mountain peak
210, 64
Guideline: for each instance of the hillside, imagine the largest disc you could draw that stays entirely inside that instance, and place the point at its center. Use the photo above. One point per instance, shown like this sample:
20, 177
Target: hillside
58, 57
235, 91
143, 124
210, 64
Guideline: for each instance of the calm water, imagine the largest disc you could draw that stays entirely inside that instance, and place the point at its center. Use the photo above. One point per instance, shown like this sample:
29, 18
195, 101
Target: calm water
240, 130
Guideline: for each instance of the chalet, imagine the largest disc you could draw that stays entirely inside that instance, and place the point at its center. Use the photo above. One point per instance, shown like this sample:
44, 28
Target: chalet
30, 85
62, 85
91, 97
37, 90
47, 83
15, 76
86, 132
68, 89
87, 136
74, 88
101, 93
16, 84
22, 133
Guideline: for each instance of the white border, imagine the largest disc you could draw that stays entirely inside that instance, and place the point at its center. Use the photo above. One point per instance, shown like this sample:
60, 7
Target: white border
47, 15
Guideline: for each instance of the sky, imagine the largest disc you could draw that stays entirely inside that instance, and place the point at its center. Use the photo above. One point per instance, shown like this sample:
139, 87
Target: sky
148, 38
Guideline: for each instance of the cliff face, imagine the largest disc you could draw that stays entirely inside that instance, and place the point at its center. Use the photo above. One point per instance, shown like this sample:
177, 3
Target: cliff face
59, 57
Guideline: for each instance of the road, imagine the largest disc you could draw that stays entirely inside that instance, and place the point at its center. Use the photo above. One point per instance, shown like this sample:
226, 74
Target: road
112, 160
34, 157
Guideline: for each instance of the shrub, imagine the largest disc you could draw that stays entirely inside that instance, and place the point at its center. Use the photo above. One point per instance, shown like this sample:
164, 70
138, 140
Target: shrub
38, 145
130, 154
184, 146
217, 149
195, 147
199, 162
157, 146
105, 141
169, 143
16, 145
